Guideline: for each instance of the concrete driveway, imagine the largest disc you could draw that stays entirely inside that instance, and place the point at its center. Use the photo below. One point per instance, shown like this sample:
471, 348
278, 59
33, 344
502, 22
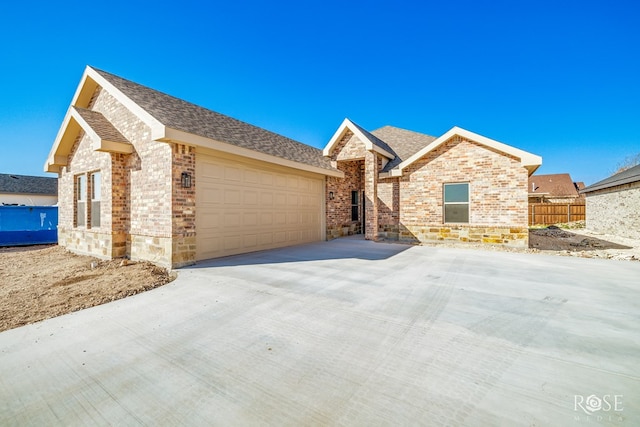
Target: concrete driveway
347, 332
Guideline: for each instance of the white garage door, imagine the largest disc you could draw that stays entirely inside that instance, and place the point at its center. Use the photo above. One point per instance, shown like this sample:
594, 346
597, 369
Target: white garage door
244, 205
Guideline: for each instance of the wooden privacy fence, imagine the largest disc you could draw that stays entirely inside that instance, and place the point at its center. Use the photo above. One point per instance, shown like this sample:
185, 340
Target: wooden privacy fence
554, 213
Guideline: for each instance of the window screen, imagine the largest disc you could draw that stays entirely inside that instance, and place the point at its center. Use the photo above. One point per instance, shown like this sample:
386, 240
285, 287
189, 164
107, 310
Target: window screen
456, 202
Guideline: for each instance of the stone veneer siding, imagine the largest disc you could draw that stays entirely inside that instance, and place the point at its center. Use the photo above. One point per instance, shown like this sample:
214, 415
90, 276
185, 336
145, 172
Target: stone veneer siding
615, 210
498, 196
141, 192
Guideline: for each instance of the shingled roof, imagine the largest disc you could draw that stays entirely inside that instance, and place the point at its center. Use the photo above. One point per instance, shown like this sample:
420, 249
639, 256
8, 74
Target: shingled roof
403, 143
101, 125
25, 184
554, 185
181, 115
625, 177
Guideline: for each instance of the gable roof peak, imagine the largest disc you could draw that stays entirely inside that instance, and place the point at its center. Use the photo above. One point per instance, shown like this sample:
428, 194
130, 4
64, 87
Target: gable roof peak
371, 142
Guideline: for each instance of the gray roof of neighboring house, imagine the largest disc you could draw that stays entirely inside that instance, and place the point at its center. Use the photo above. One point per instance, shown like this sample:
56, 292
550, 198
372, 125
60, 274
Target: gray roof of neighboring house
403, 143
187, 117
24, 184
101, 125
625, 177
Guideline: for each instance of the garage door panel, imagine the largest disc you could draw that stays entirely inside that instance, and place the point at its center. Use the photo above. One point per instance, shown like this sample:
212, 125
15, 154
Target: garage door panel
251, 176
232, 173
232, 196
280, 199
211, 194
266, 218
265, 239
210, 220
212, 171
232, 242
280, 237
242, 207
232, 219
250, 219
250, 198
280, 218
250, 241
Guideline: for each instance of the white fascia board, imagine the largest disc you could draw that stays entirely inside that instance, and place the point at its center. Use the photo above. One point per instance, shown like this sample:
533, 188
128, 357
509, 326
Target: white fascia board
157, 128
382, 151
53, 158
527, 160
181, 137
368, 144
337, 136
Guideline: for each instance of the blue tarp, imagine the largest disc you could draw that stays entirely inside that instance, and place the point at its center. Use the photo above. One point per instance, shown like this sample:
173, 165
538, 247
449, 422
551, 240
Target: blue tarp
28, 225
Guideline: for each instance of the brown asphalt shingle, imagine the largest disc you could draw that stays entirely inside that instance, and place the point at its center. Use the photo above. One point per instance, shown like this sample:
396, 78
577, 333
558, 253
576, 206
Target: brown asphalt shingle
557, 185
187, 117
404, 143
101, 125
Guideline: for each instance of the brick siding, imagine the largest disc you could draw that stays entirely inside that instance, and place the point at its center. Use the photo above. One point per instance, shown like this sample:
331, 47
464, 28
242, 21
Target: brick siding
498, 195
146, 214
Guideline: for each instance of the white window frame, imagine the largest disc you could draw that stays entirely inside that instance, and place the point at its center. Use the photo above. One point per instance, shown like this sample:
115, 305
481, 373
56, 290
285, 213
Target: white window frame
445, 203
80, 199
96, 198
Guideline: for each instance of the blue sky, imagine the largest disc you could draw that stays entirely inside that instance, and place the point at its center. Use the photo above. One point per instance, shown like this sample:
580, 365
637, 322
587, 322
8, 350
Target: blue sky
560, 79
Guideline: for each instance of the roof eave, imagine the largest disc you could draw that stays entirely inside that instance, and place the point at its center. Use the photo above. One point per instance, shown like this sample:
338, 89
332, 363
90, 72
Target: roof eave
97, 142
337, 136
597, 186
63, 143
182, 137
92, 79
529, 161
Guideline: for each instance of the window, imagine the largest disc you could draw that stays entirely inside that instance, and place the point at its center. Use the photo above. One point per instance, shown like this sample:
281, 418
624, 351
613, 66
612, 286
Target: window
355, 208
95, 199
81, 200
456, 202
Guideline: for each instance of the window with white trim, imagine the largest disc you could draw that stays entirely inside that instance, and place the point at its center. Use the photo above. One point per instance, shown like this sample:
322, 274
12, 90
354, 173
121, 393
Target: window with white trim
456, 202
81, 200
95, 199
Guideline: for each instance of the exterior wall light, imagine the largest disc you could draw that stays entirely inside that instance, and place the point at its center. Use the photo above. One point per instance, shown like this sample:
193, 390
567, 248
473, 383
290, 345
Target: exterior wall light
186, 180
331, 196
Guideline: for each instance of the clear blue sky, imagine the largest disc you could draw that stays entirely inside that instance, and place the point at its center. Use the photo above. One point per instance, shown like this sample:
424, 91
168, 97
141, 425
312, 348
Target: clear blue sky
560, 79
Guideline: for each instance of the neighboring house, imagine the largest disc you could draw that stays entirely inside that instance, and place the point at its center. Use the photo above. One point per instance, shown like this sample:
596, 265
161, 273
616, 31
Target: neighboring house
28, 190
152, 177
613, 204
554, 188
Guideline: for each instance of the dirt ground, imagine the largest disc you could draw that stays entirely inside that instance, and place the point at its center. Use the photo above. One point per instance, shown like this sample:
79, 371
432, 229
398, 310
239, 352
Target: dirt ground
40, 282
583, 243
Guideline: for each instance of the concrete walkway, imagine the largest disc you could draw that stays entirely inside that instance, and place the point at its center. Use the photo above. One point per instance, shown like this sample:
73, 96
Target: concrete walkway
347, 332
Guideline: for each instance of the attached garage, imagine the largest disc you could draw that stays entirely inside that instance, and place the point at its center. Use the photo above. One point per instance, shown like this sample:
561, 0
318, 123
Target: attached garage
245, 205
178, 182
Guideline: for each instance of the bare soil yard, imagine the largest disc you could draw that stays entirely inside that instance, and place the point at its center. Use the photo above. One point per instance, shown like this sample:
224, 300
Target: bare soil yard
40, 282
